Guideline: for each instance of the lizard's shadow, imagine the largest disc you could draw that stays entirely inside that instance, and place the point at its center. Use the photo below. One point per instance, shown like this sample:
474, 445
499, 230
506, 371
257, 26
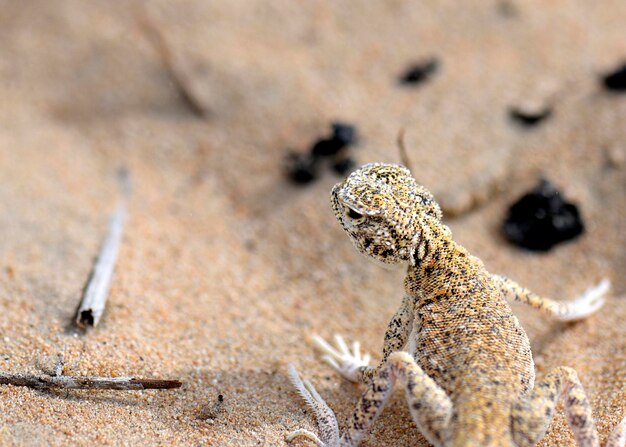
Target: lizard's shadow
544, 338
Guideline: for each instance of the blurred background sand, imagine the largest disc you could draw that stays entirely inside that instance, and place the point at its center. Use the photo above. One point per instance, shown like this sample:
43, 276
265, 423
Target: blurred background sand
225, 267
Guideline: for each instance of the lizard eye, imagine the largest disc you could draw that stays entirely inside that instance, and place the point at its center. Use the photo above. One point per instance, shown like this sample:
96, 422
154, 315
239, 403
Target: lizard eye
352, 214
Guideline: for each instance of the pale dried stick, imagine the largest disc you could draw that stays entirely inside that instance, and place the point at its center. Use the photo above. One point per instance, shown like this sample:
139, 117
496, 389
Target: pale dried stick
97, 288
50, 382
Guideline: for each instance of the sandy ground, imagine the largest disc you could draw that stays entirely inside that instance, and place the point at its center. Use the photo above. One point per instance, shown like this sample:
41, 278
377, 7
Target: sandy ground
225, 268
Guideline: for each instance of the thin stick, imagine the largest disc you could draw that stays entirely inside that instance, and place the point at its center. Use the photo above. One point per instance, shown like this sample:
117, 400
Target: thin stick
404, 155
174, 72
97, 288
50, 382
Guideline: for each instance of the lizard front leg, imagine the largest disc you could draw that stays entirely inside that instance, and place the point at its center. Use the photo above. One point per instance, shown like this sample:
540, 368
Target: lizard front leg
429, 404
590, 301
355, 367
531, 415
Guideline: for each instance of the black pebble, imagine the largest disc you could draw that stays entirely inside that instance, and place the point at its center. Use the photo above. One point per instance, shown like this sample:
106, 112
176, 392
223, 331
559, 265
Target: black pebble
343, 165
529, 119
541, 219
302, 168
616, 81
326, 147
344, 133
220, 398
419, 72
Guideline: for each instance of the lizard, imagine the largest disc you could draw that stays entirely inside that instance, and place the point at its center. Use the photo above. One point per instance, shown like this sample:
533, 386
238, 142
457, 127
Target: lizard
454, 344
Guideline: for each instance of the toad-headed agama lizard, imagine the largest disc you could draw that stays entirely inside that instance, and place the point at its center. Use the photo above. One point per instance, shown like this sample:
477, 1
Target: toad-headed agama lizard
454, 343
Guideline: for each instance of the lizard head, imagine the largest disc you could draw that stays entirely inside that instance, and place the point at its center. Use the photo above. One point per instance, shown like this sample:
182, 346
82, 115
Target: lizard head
382, 208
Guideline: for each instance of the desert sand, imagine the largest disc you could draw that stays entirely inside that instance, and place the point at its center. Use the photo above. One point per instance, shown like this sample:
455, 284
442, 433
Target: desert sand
225, 267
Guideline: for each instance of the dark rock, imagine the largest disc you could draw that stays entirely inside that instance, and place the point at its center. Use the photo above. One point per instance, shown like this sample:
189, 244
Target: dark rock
541, 219
326, 147
419, 72
344, 133
302, 168
343, 166
616, 81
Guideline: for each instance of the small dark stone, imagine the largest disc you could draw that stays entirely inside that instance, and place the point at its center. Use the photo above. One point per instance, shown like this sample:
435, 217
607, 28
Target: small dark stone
529, 118
326, 147
344, 133
220, 398
419, 72
616, 81
302, 168
541, 219
344, 166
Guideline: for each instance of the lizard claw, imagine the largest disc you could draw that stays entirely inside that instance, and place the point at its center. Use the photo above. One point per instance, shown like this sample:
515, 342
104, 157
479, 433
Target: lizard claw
341, 359
591, 300
326, 420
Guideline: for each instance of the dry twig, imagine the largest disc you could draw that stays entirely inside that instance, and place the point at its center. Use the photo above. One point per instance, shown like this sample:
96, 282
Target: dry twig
53, 381
97, 289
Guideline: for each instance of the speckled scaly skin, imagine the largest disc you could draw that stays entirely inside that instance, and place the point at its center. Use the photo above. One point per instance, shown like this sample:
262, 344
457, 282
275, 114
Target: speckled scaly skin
454, 343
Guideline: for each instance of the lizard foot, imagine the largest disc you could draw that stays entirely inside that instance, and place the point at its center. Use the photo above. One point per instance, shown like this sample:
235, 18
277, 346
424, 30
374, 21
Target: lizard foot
591, 300
326, 420
341, 359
